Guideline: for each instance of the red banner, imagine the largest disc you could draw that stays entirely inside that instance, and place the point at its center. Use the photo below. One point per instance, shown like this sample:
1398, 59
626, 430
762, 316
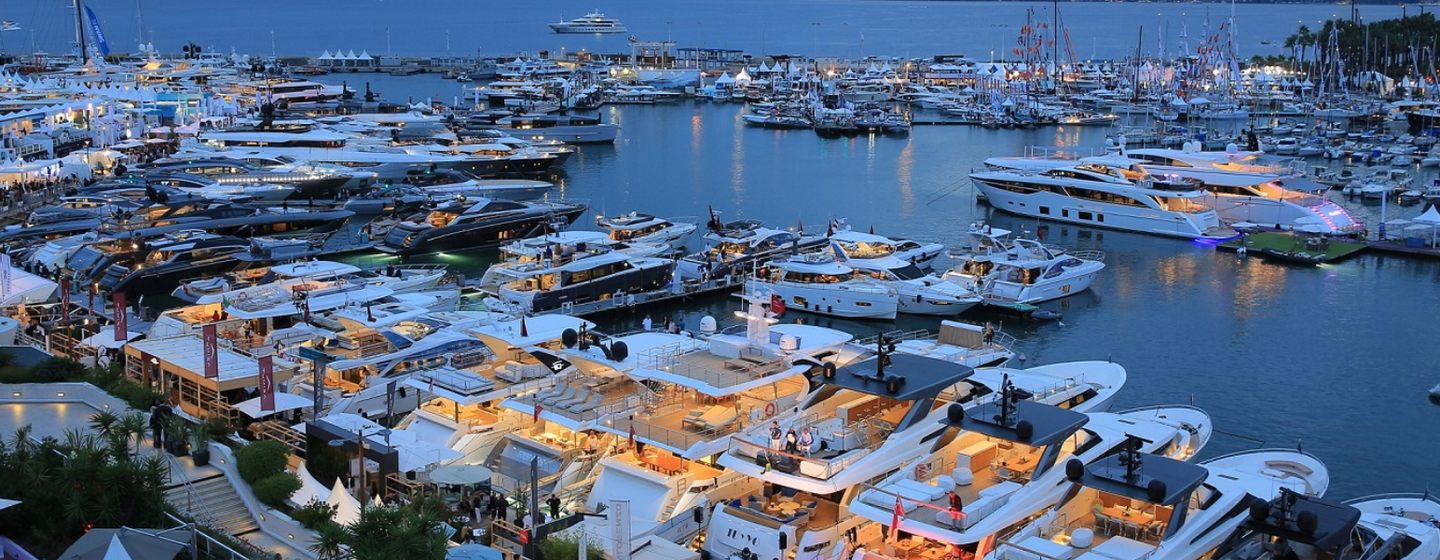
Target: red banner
64, 300
267, 383
212, 351
121, 316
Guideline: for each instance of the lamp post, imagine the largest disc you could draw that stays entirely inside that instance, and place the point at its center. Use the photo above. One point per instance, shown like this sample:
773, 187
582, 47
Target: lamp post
360, 453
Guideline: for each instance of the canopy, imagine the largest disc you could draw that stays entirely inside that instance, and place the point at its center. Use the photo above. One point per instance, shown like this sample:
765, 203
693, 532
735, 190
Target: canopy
460, 474
106, 338
1431, 216
283, 402
122, 544
347, 508
4, 503
473, 552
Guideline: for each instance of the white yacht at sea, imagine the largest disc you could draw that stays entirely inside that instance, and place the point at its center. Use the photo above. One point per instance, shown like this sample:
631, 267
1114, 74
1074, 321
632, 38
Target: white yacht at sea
593, 22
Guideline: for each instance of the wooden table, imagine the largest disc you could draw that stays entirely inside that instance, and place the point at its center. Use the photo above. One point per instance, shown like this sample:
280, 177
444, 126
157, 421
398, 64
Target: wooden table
1139, 518
788, 508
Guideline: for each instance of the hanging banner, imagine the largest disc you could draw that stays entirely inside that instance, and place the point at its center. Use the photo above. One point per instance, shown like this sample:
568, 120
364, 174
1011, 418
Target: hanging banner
7, 285
212, 351
267, 383
390, 398
120, 316
64, 300
99, 35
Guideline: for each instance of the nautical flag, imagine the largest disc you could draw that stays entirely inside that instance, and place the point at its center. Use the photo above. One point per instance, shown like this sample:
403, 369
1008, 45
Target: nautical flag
211, 350
8, 25
120, 315
895, 519
267, 383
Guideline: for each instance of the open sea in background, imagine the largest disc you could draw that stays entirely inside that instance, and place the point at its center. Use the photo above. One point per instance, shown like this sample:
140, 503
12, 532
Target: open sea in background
1336, 359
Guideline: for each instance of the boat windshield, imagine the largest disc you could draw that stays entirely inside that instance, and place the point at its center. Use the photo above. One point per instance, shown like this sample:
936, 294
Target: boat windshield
1185, 205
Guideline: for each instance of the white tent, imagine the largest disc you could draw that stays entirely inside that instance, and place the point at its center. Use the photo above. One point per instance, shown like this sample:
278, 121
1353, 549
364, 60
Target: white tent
460, 474
347, 508
310, 489
743, 77
1430, 218
283, 402
724, 79
106, 338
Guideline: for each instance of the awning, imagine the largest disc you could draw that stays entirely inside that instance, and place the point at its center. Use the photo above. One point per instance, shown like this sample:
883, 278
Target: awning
283, 402
106, 338
460, 474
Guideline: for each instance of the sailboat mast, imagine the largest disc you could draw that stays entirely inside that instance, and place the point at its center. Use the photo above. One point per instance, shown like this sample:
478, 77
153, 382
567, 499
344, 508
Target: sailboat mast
1135, 86
80, 33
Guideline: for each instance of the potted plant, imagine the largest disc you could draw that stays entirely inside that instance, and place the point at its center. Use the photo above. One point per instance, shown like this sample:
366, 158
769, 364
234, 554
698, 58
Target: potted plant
177, 436
200, 446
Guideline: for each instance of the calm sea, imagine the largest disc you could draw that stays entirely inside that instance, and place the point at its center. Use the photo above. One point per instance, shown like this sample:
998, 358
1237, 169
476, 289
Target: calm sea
805, 27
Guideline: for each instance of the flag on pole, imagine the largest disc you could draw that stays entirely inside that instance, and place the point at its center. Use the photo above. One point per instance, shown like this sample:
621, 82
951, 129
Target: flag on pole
212, 351
895, 520
390, 398
121, 316
538, 409
6, 283
267, 383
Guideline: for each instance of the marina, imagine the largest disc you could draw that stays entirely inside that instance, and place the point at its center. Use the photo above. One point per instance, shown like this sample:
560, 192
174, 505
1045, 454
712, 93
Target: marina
604, 285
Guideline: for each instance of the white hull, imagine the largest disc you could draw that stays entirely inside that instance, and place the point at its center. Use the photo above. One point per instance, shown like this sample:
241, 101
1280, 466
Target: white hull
837, 300
1055, 207
578, 134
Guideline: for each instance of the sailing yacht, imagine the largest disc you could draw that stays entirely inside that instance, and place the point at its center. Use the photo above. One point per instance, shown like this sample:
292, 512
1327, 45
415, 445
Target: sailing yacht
1139, 505
1101, 196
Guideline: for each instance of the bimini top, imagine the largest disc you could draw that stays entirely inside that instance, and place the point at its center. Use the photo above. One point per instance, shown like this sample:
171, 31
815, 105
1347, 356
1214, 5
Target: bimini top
919, 377
1028, 422
1288, 515
1172, 481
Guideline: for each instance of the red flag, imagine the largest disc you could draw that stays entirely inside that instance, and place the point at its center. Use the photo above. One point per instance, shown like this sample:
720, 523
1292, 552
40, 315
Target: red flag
538, 409
212, 351
895, 521
267, 383
524, 332
64, 300
120, 316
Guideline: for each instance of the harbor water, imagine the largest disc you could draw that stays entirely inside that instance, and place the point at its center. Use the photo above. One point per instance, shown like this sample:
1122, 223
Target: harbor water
1336, 359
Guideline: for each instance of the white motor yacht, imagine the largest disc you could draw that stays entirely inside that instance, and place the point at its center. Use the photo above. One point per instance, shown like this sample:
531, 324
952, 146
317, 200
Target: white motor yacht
612, 275
735, 247
1003, 464
1024, 271
816, 283
1138, 505
1100, 196
636, 227
593, 22
1294, 525
919, 292
1406, 526
398, 278
528, 258
859, 246
864, 421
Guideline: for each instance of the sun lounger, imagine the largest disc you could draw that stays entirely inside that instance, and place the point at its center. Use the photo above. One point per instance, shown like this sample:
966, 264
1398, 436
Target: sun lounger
568, 394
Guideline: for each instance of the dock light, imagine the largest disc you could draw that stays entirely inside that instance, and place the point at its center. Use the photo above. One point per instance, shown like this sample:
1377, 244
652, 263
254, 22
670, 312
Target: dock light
15, 394
59, 393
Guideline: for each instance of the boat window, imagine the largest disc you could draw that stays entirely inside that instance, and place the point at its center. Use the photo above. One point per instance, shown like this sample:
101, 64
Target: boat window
1103, 196
1181, 204
907, 272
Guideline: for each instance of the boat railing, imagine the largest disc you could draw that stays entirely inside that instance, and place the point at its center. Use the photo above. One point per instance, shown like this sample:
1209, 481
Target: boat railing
1088, 255
899, 335
669, 358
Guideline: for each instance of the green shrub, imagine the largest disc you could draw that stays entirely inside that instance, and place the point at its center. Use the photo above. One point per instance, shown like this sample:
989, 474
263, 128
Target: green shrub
217, 429
313, 514
59, 369
261, 459
273, 490
562, 548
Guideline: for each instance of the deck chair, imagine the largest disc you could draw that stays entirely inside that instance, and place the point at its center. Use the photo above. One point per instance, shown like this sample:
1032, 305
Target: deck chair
569, 393
582, 396
551, 392
587, 406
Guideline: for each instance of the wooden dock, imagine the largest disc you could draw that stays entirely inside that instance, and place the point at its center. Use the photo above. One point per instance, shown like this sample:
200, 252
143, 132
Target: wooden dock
1289, 247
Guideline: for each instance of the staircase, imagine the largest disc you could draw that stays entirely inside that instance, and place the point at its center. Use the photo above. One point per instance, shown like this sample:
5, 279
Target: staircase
214, 503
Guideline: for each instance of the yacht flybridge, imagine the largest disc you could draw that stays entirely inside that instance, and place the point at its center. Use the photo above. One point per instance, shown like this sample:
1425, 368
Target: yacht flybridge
1102, 196
1301, 526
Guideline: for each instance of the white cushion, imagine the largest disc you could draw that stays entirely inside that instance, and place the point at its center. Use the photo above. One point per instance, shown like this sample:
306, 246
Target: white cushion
1082, 538
945, 482
963, 477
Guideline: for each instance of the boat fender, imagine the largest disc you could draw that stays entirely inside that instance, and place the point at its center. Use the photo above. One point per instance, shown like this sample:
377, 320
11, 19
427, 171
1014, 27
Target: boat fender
1259, 510
893, 383
619, 351
1155, 490
1074, 470
1024, 430
784, 540
569, 338
956, 414
829, 370
769, 410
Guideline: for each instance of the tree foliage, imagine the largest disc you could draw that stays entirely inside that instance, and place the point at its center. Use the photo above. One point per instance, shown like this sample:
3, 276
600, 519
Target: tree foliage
273, 490
261, 459
410, 531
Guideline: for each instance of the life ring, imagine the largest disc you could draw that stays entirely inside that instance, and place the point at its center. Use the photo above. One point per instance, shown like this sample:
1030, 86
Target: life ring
769, 410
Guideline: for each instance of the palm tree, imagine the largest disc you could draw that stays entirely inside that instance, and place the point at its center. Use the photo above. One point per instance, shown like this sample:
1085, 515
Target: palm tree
133, 424
104, 422
330, 541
